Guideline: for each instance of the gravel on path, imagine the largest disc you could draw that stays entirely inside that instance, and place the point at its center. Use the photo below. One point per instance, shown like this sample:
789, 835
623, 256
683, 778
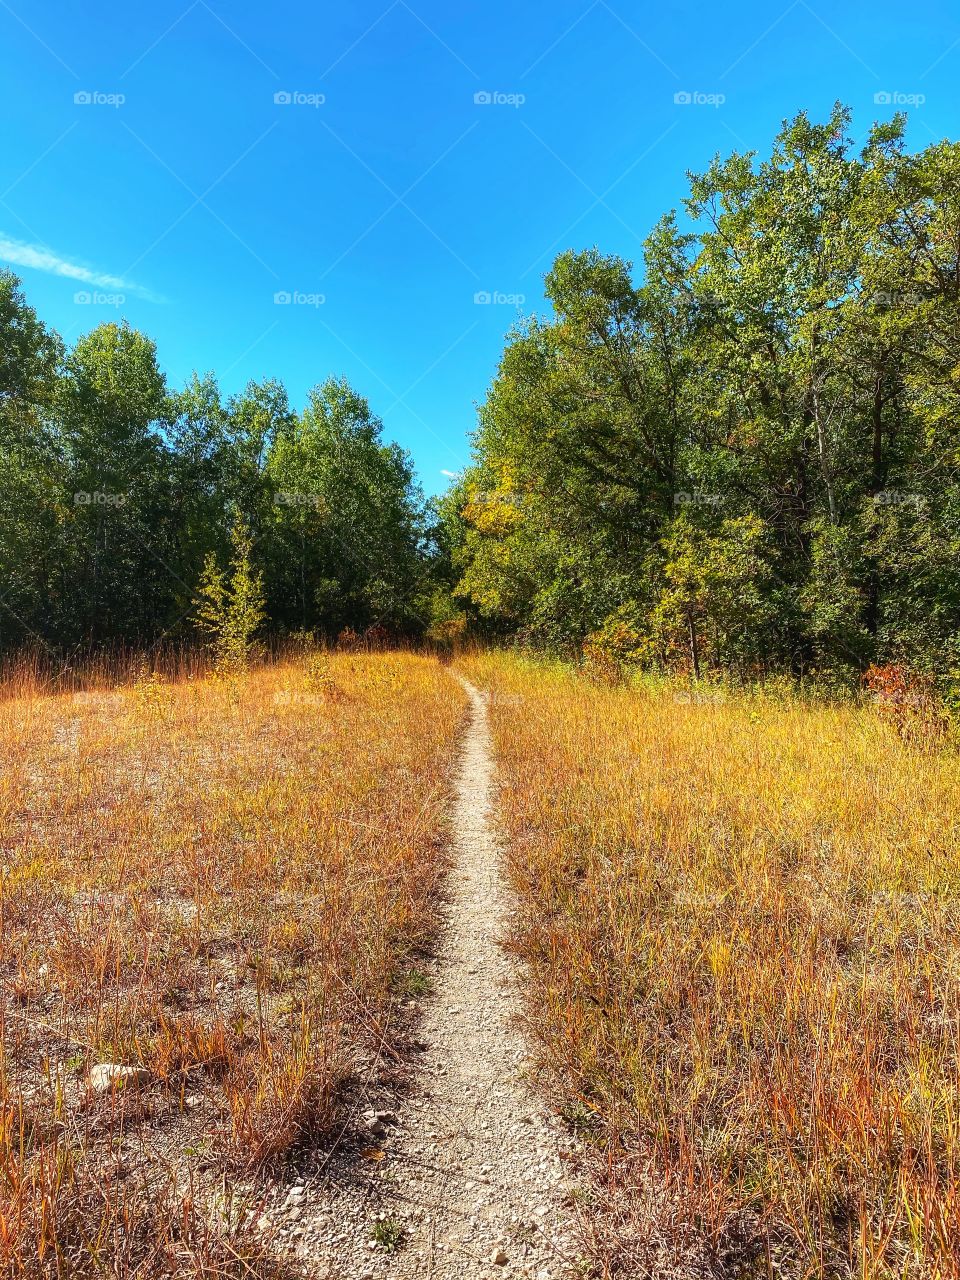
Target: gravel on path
466, 1176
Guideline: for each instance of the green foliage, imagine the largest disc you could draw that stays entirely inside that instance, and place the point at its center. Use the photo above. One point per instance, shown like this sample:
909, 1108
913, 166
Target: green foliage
117, 496
388, 1233
230, 606
347, 522
749, 459
712, 601
448, 623
622, 641
31, 502
742, 455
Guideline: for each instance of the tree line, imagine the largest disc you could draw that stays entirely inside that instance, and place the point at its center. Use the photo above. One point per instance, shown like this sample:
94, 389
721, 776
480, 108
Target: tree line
118, 493
746, 459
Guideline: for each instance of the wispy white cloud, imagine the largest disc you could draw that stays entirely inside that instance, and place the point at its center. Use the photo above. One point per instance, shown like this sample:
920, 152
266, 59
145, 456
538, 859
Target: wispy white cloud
20, 254
452, 475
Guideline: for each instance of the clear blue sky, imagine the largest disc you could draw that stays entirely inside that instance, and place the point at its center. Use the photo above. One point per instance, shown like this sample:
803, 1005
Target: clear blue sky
400, 197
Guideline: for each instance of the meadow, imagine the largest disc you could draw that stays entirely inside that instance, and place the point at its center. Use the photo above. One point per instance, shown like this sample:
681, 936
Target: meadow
739, 917
736, 920
213, 897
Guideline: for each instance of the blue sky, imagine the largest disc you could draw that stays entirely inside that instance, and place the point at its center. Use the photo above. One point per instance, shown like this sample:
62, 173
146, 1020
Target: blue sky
397, 198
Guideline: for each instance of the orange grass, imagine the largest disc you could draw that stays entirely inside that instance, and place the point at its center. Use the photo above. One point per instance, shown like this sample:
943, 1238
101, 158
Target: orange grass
741, 921
223, 883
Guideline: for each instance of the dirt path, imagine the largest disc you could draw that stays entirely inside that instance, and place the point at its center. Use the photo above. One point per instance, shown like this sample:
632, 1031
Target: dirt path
471, 1182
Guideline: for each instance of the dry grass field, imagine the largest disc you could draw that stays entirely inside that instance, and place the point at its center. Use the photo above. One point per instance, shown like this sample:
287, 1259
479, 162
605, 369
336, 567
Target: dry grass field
738, 916
742, 929
221, 886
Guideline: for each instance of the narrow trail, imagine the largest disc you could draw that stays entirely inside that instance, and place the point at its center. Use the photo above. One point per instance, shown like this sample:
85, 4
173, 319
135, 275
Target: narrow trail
473, 1172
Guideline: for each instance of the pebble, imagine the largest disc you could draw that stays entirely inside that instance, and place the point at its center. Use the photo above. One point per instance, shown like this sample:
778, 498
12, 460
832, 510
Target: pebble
111, 1075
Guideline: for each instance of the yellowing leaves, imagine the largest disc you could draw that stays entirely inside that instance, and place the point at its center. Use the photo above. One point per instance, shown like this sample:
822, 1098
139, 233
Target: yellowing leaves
495, 512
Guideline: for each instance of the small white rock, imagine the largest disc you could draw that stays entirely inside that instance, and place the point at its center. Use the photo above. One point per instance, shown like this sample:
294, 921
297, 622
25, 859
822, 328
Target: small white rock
111, 1075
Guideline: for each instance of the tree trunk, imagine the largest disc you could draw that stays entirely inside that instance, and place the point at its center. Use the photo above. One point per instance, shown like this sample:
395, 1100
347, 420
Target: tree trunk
877, 481
694, 647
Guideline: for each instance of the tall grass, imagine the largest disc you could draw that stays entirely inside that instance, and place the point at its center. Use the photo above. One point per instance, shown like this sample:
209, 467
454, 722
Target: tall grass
741, 920
221, 883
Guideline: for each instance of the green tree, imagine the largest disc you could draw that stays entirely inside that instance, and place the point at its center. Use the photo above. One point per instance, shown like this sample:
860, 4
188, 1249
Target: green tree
712, 606
230, 605
32, 507
116, 578
795, 358
348, 524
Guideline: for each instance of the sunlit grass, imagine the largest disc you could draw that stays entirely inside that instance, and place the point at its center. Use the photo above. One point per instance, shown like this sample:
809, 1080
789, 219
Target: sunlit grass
741, 919
224, 883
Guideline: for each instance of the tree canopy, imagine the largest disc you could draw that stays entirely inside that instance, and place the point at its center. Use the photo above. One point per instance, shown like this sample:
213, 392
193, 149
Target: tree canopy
748, 456
117, 494
741, 455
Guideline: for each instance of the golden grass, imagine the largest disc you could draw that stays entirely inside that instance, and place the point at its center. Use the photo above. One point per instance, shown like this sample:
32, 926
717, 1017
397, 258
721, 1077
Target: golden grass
742, 925
223, 883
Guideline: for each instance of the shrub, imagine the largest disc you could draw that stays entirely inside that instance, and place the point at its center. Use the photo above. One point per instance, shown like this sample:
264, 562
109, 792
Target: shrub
230, 606
909, 702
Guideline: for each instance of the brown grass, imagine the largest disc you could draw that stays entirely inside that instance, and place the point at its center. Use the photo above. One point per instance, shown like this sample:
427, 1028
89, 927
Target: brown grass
742, 925
223, 883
